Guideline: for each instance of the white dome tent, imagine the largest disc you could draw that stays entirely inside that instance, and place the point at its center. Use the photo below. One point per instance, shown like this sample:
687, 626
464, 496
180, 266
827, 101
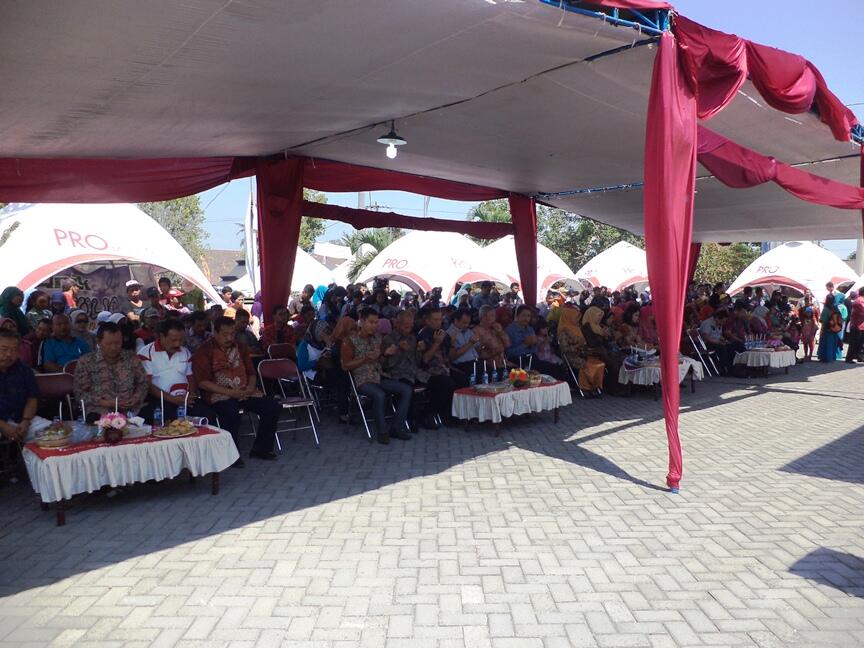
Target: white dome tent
423, 260
801, 265
38, 241
618, 267
307, 270
550, 268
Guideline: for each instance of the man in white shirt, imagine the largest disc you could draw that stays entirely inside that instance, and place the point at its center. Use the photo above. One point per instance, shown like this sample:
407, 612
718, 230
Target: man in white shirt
168, 365
712, 333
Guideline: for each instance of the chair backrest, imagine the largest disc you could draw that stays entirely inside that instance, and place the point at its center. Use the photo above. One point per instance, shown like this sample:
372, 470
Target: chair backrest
281, 350
55, 385
69, 367
279, 370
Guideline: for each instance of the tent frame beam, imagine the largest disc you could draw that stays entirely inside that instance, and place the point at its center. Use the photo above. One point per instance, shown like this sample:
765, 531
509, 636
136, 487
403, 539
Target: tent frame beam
653, 22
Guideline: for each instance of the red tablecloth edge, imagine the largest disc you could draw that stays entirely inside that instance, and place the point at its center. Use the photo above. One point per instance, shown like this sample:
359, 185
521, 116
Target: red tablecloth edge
45, 453
470, 391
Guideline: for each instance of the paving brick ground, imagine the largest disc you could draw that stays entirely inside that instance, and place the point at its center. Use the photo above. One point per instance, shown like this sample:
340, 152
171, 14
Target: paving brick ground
547, 536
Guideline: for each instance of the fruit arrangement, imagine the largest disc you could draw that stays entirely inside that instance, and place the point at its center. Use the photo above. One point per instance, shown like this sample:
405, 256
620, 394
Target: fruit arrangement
519, 378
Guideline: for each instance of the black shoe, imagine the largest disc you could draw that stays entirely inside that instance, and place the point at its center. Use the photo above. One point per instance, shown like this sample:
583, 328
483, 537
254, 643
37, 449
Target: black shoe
383, 439
401, 434
239, 463
258, 454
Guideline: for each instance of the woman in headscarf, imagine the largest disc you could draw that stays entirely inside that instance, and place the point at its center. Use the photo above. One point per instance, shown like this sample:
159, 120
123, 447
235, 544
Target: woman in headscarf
840, 304
571, 343
37, 307
647, 326
318, 296
829, 338
10, 306
598, 340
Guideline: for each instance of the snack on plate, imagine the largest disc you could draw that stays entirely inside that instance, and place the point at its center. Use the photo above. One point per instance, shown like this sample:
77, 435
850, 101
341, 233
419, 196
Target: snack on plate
57, 436
177, 428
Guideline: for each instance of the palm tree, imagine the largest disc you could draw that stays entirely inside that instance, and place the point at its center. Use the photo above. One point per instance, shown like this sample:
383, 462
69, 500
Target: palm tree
377, 239
491, 211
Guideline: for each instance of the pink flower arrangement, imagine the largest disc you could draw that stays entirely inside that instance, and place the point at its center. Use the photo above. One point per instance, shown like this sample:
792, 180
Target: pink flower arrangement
112, 420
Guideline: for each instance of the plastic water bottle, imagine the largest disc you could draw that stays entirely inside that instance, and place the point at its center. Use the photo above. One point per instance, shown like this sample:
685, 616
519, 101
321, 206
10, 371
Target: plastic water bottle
472, 380
157, 417
181, 412
484, 378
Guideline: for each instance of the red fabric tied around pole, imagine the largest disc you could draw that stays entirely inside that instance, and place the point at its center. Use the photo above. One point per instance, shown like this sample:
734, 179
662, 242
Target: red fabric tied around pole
717, 65
523, 211
670, 178
114, 181
363, 218
280, 209
737, 166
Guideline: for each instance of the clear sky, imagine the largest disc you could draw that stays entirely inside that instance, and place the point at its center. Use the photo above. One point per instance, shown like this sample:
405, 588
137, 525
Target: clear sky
827, 33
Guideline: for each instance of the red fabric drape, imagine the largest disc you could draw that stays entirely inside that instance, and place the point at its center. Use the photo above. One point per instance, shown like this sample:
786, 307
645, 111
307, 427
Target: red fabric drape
718, 64
363, 218
670, 177
523, 211
114, 181
326, 175
693, 261
737, 166
280, 209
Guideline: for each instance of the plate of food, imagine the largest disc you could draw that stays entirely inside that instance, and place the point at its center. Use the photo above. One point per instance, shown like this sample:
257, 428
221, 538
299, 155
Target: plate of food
494, 388
57, 436
175, 430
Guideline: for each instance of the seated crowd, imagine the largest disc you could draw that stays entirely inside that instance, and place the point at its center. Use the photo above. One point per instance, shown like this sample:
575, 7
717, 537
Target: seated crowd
159, 351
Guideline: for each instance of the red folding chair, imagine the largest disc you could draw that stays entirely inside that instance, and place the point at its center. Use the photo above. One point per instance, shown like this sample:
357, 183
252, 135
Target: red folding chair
282, 350
69, 367
278, 371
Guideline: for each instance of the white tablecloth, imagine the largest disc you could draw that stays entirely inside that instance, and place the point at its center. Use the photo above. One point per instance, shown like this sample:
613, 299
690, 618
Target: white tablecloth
651, 375
772, 359
61, 477
518, 401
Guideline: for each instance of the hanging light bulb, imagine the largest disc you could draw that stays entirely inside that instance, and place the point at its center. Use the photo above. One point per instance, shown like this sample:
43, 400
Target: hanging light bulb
392, 140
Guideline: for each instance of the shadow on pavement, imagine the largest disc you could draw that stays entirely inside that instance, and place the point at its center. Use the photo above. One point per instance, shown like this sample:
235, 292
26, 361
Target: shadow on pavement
837, 569
840, 460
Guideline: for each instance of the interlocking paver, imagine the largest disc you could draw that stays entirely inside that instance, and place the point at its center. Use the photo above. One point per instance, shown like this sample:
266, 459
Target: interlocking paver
546, 536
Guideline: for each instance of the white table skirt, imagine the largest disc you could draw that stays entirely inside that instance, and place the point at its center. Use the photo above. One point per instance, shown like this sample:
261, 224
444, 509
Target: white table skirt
518, 401
772, 359
60, 477
651, 375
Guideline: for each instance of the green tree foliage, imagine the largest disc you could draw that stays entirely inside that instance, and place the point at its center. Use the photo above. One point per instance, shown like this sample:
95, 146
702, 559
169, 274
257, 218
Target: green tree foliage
576, 240
724, 262
311, 228
378, 239
183, 218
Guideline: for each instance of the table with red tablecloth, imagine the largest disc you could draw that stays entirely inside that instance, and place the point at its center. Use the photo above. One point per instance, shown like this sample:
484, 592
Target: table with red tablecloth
471, 403
57, 474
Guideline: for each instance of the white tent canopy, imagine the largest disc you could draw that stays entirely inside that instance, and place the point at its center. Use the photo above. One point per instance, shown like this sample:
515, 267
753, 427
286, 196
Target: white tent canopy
550, 268
424, 260
801, 265
40, 240
307, 270
620, 266
253, 79
854, 289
